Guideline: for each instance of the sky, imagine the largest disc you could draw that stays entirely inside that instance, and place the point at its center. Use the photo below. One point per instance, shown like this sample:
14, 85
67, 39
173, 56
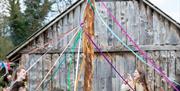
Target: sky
170, 7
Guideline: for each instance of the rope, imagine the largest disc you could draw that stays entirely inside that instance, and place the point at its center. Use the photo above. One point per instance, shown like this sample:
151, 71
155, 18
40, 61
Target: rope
79, 74
150, 60
56, 61
99, 50
56, 70
45, 54
77, 64
52, 41
69, 68
141, 59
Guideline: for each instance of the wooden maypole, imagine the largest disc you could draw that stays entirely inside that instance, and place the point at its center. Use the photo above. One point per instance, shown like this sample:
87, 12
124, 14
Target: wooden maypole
88, 49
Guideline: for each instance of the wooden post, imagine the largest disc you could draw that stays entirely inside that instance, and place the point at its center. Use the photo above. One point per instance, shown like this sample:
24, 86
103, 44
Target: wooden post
88, 49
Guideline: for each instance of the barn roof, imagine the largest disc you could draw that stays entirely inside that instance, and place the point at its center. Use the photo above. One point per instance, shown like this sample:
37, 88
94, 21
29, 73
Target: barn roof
69, 9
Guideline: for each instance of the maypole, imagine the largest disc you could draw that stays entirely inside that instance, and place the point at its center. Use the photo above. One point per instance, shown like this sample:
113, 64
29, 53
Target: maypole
88, 49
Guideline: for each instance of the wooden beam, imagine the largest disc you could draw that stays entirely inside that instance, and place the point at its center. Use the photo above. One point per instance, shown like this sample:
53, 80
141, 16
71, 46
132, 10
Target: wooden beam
113, 49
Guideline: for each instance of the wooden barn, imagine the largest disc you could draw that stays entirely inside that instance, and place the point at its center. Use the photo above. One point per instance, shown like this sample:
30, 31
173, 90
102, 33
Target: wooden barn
154, 31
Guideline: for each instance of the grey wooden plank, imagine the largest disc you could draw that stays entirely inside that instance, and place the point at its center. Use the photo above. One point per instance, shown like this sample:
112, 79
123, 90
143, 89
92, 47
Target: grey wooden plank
150, 77
178, 62
143, 24
62, 74
167, 29
156, 28
117, 13
156, 56
55, 82
120, 13
162, 30
101, 30
60, 32
173, 37
77, 15
133, 21
164, 59
110, 23
129, 63
46, 67
34, 80
120, 61
49, 37
55, 36
171, 60
150, 32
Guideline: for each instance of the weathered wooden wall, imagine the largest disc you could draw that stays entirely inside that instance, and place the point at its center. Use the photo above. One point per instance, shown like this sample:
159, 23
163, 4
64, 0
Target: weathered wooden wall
155, 34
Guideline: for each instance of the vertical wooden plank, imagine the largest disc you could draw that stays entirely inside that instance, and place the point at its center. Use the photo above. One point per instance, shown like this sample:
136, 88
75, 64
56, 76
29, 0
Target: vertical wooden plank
50, 37
150, 35
65, 27
24, 60
156, 28
167, 29
105, 74
73, 72
113, 76
62, 74
96, 26
138, 62
133, 20
102, 74
55, 82
95, 73
101, 30
60, 32
99, 86
120, 61
120, 13
46, 39
70, 57
129, 63
156, 56
178, 62
82, 11
164, 59
77, 15
110, 23
55, 36
46, 66
143, 24
117, 14
32, 84
40, 41
70, 24
173, 37
162, 30
150, 72
171, 66
37, 69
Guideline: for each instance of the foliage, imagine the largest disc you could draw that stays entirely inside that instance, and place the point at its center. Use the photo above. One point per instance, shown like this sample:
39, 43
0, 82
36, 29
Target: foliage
5, 46
17, 23
23, 23
36, 12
